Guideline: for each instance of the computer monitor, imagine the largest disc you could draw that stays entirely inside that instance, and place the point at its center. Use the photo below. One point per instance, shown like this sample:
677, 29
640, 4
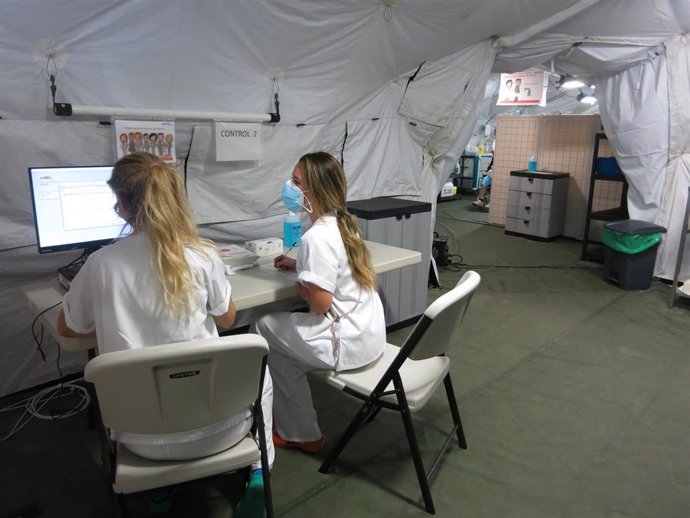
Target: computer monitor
74, 208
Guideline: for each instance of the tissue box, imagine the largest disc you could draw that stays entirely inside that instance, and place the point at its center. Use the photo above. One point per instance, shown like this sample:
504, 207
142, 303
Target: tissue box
264, 247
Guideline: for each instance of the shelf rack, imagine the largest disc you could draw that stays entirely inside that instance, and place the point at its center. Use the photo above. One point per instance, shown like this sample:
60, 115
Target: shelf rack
590, 253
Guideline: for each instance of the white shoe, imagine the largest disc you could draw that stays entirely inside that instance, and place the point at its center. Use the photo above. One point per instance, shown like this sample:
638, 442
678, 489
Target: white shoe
479, 203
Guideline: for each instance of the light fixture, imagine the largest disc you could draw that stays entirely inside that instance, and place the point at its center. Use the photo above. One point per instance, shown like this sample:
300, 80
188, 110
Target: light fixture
586, 98
570, 82
66, 109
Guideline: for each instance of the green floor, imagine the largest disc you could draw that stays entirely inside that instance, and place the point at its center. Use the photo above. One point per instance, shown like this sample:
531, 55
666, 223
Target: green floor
574, 396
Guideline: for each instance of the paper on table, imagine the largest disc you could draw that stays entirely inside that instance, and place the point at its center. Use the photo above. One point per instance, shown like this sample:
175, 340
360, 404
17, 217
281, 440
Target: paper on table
235, 255
268, 267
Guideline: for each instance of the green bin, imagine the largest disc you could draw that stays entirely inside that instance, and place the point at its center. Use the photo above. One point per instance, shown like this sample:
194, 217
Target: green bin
630, 252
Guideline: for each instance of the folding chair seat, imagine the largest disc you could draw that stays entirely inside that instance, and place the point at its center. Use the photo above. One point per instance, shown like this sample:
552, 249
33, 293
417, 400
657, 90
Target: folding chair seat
177, 387
404, 379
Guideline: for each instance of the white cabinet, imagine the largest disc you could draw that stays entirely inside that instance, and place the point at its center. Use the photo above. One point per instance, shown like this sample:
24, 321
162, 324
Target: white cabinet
406, 224
536, 204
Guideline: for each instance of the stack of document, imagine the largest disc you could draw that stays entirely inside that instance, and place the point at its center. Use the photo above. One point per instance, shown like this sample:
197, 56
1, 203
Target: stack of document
236, 255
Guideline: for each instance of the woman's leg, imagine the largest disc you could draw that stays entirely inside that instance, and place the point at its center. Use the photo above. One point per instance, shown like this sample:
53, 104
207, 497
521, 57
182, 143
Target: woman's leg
289, 359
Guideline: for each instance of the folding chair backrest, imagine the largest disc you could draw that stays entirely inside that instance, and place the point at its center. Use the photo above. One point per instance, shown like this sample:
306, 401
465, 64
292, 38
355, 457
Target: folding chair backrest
439, 326
175, 387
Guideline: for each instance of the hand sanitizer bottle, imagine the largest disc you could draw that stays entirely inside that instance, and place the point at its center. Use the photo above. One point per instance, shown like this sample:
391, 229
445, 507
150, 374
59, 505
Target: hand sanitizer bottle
532, 164
292, 230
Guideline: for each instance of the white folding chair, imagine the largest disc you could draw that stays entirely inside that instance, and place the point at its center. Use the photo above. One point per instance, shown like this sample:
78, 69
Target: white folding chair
171, 388
404, 378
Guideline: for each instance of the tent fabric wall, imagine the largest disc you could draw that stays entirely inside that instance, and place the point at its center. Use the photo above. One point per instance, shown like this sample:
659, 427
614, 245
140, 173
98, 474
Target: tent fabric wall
674, 200
644, 111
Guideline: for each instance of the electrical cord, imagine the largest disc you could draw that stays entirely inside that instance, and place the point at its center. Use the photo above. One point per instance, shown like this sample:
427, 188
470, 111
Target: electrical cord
34, 405
35, 333
458, 265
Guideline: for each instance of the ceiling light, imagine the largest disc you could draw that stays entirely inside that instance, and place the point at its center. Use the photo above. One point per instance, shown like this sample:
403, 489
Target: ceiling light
586, 98
569, 82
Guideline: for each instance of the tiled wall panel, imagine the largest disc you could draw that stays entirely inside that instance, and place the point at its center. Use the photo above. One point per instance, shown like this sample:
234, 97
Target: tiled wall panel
562, 143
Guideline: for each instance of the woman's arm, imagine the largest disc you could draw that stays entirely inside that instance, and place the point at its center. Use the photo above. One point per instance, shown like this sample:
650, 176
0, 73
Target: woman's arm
64, 330
318, 299
228, 318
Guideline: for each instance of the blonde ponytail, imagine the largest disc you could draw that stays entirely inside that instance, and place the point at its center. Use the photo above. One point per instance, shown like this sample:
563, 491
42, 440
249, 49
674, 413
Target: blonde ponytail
326, 180
156, 203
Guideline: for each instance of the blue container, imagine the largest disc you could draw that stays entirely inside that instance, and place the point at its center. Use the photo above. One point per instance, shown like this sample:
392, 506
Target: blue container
292, 230
608, 166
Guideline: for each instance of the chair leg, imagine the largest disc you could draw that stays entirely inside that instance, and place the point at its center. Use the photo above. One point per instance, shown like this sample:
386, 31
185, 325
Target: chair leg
363, 415
122, 505
414, 446
266, 475
450, 393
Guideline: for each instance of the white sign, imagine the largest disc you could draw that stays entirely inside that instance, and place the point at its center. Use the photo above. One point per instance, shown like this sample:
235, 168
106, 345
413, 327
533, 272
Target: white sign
523, 89
237, 141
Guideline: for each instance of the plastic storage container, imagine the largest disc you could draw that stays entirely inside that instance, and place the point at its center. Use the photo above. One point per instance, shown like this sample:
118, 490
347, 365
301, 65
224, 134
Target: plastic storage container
630, 252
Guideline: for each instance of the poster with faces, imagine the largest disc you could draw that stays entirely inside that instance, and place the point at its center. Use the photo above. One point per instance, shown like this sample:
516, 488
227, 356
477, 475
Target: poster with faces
155, 137
523, 89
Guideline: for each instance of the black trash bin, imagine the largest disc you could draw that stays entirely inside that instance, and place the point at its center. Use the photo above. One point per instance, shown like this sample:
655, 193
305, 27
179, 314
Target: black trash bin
630, 252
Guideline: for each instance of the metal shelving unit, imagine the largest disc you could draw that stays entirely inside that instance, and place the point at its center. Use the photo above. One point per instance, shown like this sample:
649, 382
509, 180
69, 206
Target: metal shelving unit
675, 291
596, 254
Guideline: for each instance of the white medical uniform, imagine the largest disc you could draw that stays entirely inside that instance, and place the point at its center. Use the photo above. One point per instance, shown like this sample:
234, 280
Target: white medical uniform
300, 342
117, 294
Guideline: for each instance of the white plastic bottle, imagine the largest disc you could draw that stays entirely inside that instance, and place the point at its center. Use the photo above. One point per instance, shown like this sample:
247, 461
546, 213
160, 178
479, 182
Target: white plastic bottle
292, 230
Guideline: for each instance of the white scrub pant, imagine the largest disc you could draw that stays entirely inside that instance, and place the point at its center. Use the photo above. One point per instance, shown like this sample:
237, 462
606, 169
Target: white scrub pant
289, 359
214, 443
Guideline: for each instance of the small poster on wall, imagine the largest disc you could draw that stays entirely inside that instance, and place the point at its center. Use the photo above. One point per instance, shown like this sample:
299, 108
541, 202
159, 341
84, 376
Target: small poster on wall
523, 89
155, 137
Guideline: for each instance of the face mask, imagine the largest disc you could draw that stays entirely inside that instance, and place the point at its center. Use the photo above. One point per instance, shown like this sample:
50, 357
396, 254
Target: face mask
293, 198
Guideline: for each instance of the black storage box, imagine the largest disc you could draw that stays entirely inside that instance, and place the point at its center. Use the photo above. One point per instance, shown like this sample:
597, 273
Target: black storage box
631, 271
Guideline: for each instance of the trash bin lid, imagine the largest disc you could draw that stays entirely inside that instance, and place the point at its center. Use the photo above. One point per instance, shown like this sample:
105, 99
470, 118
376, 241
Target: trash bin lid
634, 226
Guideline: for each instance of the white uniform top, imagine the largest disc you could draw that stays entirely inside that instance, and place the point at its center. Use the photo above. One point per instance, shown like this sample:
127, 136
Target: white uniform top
322, 261
117, 294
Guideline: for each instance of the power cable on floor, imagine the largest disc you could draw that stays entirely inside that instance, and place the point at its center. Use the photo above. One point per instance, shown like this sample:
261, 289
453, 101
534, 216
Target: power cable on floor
459, 265
34, 405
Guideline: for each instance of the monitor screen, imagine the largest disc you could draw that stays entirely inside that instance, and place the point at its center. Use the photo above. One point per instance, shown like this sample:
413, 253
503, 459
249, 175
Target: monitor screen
74, 208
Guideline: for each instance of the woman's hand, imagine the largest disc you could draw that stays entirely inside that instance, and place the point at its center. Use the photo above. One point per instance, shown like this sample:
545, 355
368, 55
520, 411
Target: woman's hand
318, 299
283, 262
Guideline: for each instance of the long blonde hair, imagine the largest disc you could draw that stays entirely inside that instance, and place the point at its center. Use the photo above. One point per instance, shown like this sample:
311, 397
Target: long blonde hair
327, 184
154, 201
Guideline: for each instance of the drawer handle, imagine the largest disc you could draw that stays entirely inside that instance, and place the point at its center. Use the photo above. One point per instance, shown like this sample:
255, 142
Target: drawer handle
530, 180
528, 208
529, 194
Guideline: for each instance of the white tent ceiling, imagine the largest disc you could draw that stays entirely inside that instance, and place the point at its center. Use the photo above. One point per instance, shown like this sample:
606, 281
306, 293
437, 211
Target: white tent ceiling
341, 67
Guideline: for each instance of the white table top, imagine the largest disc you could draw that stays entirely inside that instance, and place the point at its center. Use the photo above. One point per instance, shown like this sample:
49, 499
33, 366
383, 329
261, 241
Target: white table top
250, 288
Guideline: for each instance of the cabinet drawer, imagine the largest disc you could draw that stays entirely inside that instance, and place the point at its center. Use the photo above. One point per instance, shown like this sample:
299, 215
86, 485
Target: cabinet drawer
527, 184
528, 213
529, 199
536, 228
